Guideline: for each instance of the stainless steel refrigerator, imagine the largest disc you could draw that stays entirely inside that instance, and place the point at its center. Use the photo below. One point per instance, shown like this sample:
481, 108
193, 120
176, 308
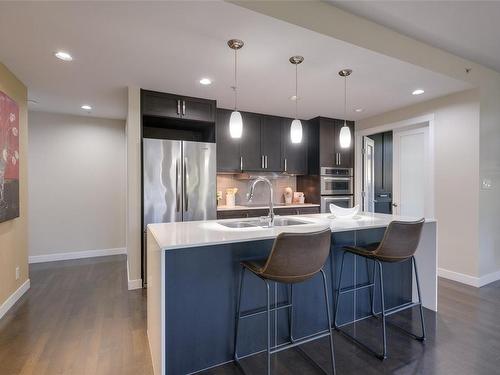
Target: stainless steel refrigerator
179, 183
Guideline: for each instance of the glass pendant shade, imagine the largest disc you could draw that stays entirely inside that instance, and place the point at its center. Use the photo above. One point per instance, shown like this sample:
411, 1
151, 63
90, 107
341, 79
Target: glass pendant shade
235, 125
296, 131
345, 136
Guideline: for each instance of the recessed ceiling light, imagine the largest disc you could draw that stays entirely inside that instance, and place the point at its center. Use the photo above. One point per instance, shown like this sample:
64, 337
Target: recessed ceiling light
418, 92
206, 81
64, 56
359, 110
86, 107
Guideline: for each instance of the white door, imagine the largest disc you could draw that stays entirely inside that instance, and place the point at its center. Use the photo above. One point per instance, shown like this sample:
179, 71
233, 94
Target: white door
368, 174
412, 190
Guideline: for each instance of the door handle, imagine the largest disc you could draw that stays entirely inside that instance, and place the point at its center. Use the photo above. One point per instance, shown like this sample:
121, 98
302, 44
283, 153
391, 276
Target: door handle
186, 201
184, 108
177, 195
178, 107
394, 205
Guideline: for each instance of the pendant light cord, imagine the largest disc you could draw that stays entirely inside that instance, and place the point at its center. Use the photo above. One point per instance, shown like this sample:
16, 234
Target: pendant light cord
345, 100
235, 79
296, 92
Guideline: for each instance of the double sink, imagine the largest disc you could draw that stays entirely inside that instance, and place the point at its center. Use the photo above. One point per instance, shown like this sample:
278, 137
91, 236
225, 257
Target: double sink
278, 222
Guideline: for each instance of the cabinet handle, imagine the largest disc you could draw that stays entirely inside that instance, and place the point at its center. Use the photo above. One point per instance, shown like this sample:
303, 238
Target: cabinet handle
340, 158
285, 165
178, 107
241, 163
262, 161
184, 108
265, 161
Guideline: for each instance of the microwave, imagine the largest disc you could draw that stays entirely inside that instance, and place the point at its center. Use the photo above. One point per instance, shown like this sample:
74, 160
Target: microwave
330, 185
336, 172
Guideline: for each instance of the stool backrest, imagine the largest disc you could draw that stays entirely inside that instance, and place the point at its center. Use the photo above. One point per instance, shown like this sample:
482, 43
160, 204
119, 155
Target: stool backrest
297, 256
400, 240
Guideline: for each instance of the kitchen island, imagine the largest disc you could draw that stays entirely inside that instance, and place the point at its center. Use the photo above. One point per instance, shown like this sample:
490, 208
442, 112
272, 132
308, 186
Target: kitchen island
193, 270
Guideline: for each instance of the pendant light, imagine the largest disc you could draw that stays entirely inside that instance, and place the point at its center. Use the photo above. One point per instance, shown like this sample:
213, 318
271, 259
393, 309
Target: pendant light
345, 132
235, 121
296, 125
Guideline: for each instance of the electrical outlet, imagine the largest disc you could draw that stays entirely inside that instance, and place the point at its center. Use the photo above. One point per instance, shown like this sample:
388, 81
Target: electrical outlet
18, 273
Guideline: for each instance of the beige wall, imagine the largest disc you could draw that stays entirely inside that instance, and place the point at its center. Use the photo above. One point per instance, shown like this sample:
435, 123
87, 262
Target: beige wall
77, 183
14, 233
457, 125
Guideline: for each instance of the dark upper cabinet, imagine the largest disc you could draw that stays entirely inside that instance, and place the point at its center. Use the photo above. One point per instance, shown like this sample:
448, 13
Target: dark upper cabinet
228, 149
327, 154
198, 109
176, 106
324, 145
251, 156
294, 155
344, 157
270, 144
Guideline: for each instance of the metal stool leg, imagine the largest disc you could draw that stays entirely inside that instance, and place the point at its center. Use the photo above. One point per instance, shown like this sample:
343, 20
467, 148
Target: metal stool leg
238, 314
421, 338
384, 335
329, 317
337, 299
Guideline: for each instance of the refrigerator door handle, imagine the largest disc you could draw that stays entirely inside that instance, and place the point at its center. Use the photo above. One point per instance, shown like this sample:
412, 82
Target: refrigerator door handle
186, 200
177, 190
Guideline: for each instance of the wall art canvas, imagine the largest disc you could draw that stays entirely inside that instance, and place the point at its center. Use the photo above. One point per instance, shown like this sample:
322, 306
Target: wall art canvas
9, 158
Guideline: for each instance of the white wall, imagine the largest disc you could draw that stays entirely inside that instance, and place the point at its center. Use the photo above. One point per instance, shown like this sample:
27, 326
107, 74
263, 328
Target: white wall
457, 126
76, 184
134, 230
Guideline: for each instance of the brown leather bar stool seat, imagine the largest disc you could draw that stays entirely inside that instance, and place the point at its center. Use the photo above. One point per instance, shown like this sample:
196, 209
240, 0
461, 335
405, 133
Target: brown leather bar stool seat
294, 258
399, 244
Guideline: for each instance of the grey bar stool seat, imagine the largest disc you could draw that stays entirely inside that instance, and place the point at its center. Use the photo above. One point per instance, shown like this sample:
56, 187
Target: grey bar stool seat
294, 258
399, 244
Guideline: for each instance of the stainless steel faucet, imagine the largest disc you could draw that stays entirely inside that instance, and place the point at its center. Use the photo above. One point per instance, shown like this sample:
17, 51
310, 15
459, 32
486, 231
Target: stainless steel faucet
270, 216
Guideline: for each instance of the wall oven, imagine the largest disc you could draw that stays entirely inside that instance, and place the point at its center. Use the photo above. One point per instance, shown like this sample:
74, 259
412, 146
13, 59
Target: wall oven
346, 202
336, 181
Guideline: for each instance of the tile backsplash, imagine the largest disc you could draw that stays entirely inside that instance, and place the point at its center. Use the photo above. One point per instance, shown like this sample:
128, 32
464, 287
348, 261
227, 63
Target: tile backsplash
261, 194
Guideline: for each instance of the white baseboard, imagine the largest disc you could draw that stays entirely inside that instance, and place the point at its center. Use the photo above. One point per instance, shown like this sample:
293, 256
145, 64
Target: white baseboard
76, 255
469, 280
13, 298
134, 284
489, 278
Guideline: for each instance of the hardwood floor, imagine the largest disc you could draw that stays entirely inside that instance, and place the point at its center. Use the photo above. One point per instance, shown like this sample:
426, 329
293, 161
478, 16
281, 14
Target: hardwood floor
79, 318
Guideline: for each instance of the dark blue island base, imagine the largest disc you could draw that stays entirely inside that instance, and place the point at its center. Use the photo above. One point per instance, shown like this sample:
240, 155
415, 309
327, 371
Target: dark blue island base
200, 296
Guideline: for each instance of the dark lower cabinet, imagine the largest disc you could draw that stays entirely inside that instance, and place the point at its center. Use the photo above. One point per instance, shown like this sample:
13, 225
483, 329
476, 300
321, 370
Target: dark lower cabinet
228, 149
238, 214
294, 155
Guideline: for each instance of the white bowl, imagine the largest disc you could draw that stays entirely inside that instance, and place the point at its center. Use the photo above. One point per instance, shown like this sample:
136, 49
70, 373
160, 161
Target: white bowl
342, 212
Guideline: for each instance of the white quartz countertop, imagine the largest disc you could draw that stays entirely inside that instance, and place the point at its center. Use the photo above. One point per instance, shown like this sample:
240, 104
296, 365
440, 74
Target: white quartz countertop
264, 207
187, 234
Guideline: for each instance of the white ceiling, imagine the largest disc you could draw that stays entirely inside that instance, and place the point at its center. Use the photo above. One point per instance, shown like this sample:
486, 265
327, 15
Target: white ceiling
169, 46
469, 29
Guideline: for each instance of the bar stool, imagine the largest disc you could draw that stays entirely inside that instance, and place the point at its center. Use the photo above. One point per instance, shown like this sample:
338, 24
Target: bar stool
294, 258
399, 244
